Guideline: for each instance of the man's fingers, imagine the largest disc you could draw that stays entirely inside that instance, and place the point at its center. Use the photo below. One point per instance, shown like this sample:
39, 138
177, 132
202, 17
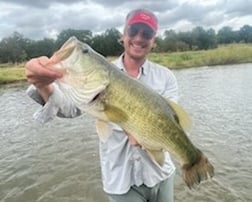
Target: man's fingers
43, 60
37, 67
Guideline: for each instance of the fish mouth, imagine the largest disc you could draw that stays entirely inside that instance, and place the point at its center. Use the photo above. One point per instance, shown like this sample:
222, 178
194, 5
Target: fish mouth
95, 98
97, 94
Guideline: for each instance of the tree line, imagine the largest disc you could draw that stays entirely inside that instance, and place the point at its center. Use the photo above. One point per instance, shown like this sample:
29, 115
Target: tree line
17, 48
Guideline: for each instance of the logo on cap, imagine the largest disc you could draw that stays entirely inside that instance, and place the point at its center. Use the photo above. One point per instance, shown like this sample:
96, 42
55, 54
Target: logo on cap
144, 16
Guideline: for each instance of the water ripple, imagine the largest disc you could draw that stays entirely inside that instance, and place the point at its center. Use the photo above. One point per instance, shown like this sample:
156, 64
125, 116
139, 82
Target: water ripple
59, 161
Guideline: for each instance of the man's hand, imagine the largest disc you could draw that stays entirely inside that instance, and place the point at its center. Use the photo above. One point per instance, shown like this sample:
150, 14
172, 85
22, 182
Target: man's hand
39, 73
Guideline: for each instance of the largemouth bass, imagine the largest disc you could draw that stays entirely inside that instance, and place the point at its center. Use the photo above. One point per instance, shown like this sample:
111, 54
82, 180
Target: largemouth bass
99, 88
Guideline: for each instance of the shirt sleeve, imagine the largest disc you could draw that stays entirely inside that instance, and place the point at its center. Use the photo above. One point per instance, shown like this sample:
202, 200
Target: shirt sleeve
57, 105
171, 88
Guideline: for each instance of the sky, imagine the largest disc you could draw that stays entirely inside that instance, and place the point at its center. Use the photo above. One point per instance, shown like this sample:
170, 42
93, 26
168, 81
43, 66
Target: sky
37, 19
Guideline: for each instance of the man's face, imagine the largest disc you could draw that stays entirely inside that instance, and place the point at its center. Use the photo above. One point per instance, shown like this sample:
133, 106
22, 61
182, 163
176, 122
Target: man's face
138, 40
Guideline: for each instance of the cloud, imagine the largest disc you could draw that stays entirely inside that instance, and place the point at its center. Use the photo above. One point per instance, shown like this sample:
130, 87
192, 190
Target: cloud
239, 8
41, 4
41, 18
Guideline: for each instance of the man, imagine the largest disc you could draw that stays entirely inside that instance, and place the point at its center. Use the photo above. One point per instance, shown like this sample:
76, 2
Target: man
127, 171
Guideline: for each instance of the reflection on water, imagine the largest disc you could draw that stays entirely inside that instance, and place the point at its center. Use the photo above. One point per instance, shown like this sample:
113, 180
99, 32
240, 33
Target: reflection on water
60, 162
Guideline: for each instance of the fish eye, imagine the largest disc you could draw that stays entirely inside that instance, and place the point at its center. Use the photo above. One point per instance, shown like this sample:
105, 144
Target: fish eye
85, 50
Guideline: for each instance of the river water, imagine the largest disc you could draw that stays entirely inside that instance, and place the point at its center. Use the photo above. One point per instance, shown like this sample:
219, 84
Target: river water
59, 161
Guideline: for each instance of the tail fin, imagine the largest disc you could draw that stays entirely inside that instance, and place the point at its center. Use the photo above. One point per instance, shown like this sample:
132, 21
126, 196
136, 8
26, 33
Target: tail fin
199, 171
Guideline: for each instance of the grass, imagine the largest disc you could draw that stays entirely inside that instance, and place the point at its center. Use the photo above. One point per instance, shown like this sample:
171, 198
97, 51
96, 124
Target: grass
10, 73
227, 54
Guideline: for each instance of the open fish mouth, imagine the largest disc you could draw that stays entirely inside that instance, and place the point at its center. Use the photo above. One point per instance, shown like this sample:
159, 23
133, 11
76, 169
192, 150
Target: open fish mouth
95, 98
97, 94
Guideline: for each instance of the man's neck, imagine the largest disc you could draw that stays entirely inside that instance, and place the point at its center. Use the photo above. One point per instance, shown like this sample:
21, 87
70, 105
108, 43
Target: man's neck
132, 66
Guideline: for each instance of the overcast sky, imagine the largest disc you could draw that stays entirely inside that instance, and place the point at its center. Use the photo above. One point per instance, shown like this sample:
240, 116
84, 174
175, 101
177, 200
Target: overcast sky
36, 19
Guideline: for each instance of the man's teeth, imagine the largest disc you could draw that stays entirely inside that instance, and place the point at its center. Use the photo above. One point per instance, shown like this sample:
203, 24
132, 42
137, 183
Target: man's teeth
136, 46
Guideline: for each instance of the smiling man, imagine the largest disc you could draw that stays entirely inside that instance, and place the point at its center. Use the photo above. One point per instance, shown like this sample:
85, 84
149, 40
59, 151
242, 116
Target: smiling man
128, 173
132, 176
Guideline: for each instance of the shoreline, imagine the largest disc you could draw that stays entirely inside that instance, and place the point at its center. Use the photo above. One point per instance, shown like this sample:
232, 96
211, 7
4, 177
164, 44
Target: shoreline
223, 55
23, 81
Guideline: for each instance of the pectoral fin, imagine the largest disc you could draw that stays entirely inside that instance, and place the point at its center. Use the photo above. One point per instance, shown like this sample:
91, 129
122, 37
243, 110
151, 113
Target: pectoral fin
181, 116
112, 114
157, 156
103, 129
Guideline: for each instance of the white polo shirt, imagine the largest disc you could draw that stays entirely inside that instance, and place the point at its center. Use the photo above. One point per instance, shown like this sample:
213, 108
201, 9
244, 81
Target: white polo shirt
124, 165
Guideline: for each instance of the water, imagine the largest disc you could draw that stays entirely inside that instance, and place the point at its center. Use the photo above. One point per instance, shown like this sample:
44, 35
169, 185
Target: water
60, 161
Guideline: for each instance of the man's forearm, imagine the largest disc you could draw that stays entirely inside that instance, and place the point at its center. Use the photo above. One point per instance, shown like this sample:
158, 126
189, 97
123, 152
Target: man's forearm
45, 92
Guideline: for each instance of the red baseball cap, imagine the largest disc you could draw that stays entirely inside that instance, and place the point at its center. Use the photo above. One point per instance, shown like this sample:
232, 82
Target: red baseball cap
142, 16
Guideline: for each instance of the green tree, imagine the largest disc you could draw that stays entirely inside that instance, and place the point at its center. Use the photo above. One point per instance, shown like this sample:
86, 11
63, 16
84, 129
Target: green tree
211, 38
199, 38
186, 38
82, 35
169, 42
246, 34
45, 47
158, 44
108, 43
12, 48
226, 35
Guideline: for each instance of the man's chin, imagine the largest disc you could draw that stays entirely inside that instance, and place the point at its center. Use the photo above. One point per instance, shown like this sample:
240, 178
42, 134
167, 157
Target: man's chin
137, 56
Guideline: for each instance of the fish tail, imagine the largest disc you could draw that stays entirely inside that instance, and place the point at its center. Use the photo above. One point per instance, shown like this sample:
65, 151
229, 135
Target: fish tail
201, 170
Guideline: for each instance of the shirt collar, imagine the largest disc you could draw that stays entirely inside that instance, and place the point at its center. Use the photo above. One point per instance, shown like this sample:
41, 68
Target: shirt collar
144, 68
